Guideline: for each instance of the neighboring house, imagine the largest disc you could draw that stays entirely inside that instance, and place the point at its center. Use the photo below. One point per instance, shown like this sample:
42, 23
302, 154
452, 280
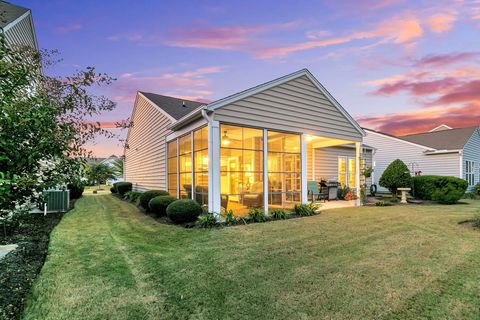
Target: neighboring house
441, 151
256, 148
16, 24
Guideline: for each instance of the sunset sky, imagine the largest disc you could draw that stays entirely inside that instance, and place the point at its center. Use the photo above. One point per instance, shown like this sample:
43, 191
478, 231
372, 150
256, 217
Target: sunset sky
396, 66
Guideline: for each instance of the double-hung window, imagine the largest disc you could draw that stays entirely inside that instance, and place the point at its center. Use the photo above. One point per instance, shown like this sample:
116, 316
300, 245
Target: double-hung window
470, 172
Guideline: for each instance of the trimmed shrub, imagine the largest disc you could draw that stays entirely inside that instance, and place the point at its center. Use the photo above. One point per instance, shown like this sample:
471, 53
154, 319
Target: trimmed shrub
396, 176
123, 187
476, 190
207, 220
446, 190
113, 190
184, 210
159, 204
76, 190
114, 186
145, 198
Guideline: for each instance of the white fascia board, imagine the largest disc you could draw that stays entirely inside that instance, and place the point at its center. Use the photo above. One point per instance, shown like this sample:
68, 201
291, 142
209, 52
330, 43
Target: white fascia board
131, 121
257, 89
433, 152
400, 140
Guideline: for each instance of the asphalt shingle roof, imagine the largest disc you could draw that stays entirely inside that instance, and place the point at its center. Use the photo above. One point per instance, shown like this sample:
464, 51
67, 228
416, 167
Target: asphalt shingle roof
176, 107
9, 13
451, 139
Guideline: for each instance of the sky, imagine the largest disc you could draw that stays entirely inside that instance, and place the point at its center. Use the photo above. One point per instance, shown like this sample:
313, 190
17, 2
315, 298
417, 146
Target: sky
396, 66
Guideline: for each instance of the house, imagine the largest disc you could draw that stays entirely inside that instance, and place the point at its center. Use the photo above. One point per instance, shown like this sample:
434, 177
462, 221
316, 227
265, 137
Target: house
256, 148
16, 24
441, 151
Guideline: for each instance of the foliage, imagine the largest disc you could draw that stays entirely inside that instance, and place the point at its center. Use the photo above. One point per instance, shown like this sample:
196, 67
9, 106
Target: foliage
476, 189
363, 194
149, 195
396, 176
207, 220
382, 203
132, 196
76, 189
470, 195
123, 187
98, 173
230, 217
342, 191
446, 190
113, 190
367, 172
305, 209
257, 215
159, 204
350, 195
44, 123
184, 210
278, 214
117, 168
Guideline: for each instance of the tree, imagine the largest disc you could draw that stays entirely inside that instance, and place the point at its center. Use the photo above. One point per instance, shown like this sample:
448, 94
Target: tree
118, 168
45, 122
396, 176
99, 173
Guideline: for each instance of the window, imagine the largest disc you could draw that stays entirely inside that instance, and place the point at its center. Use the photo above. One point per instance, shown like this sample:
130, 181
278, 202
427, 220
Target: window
200, 168
241, 168
172, 160
284, 169
346, 171
470, 172
185, 166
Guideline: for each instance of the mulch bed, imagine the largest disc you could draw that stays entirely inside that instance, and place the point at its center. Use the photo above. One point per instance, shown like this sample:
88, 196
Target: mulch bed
19, 268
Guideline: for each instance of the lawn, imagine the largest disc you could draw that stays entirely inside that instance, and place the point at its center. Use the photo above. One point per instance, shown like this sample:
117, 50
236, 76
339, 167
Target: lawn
109, 261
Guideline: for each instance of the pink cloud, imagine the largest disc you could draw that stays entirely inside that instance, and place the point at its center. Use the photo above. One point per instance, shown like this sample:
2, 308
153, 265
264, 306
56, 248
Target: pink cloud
441, 22
441, 60
402, 123
68, 28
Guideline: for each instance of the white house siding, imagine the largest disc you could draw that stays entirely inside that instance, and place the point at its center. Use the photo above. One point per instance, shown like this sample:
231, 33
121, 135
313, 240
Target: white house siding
471, 152
326, 161
145, 158
296, 106
21, 33
389, 149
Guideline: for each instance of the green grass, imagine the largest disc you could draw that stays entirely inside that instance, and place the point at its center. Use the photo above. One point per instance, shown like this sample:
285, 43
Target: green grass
109, 261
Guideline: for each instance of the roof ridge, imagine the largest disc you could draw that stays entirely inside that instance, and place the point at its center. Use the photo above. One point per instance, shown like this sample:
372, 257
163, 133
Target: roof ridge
436, 132
171, 97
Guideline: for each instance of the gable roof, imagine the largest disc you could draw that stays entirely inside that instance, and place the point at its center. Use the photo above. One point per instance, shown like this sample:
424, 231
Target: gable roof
267, 85
450, 139
177, 108
9, 13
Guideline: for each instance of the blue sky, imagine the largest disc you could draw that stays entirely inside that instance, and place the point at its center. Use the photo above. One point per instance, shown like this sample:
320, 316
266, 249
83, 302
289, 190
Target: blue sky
397, 66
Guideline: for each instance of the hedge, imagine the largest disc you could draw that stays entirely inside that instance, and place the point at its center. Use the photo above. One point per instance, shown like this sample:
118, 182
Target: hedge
446, 190
159, 204
396, 176
76, 190
149, 195
184, 210
122, 187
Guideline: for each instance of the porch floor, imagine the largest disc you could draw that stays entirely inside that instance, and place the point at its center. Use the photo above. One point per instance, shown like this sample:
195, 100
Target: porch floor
336, 204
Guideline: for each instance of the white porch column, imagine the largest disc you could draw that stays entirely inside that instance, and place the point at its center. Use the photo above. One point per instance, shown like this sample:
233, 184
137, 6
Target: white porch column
357, 170
214, 202
304, 168
265, 171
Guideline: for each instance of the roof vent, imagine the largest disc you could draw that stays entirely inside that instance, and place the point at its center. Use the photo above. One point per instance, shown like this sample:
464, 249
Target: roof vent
183, 104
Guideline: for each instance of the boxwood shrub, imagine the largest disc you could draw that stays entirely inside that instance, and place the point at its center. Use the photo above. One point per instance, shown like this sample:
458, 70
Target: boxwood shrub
159, 204
123, 187
145, 198
184, 210
113, 190
446, 190
76, 190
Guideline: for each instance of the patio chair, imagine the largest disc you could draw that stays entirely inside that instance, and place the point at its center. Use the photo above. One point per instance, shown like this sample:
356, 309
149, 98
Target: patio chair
312, 190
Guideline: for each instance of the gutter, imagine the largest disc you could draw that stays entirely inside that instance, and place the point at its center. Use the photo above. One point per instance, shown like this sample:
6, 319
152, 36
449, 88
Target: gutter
433, 152
197, 113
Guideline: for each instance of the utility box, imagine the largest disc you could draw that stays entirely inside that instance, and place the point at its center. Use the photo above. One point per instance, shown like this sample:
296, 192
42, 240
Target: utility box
57, 200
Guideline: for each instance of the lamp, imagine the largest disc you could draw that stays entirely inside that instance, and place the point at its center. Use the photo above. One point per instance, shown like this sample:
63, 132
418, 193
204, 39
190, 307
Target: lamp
225, 140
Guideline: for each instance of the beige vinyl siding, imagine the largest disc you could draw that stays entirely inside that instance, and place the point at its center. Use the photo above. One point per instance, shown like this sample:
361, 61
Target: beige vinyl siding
471, 152
389, 149
145, 158
326, 161
296, 106
21, 33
